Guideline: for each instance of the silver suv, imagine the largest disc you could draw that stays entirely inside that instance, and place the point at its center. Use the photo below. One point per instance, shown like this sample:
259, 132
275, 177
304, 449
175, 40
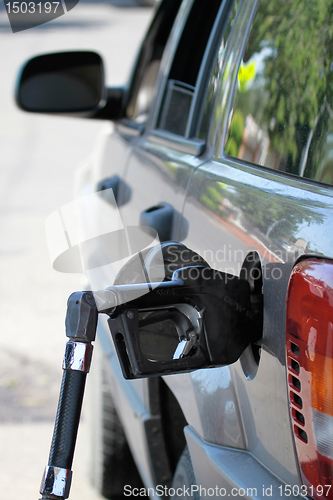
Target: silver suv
222, 143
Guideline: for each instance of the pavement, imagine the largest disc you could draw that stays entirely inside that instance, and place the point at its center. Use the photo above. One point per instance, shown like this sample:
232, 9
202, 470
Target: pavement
38, 159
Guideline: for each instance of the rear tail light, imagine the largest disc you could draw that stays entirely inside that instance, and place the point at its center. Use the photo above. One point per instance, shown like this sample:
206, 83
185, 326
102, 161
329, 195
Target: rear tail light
310, 372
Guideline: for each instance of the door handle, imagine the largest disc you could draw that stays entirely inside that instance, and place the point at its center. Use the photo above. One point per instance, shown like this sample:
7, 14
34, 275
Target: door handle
160, 218
166, 220
121, 190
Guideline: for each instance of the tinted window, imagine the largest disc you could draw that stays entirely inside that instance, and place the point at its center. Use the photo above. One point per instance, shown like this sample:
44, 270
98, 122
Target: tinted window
149, 61
182, 82
282, 112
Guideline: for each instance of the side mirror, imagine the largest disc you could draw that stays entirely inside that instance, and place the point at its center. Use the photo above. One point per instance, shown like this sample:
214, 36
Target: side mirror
62, 83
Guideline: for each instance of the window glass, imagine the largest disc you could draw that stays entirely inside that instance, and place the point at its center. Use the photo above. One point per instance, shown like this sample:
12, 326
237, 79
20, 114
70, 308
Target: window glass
282, 111
230, 16
149, 61
181, 85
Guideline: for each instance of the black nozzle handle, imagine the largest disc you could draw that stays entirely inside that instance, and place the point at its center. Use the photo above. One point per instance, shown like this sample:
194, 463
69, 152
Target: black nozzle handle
57, 476
67, 419
81, 323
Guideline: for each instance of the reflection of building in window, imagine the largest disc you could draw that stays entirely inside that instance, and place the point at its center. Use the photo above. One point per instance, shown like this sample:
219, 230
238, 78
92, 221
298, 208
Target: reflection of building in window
247, 141
255, 143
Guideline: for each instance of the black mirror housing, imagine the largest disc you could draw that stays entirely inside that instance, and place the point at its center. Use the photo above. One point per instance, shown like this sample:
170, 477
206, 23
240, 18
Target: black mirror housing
70, 83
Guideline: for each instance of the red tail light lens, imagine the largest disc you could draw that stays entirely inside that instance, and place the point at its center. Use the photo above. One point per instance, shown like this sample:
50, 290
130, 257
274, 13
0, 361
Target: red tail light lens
310, 372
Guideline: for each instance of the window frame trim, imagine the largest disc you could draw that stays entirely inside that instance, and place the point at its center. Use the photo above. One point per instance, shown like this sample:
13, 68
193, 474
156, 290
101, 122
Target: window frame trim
193, 146
188, 143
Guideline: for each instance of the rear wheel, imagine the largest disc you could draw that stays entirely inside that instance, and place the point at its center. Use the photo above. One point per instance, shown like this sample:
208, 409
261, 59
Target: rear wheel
184, 478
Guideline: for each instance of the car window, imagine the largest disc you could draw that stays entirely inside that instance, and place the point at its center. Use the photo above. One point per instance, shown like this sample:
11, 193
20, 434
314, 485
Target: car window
281, 115
208, 96
145, 74
182, 82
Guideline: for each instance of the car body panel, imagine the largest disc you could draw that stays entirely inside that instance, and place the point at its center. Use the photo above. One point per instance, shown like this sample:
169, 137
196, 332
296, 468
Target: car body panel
207, 398
108, 159
155, 174
240, 208
230, 202
239, 432
227, 472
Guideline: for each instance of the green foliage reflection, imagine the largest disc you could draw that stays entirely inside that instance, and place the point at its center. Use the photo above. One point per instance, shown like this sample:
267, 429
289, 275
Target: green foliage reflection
286, 108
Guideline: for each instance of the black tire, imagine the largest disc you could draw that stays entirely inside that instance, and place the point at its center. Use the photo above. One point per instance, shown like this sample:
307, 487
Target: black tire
111, 462
184, 477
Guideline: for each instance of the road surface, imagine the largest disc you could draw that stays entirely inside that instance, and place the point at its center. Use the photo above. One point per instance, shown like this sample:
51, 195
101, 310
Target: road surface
39, 155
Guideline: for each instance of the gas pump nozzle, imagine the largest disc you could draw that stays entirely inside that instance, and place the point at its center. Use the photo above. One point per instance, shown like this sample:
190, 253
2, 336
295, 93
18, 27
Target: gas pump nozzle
197, 318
